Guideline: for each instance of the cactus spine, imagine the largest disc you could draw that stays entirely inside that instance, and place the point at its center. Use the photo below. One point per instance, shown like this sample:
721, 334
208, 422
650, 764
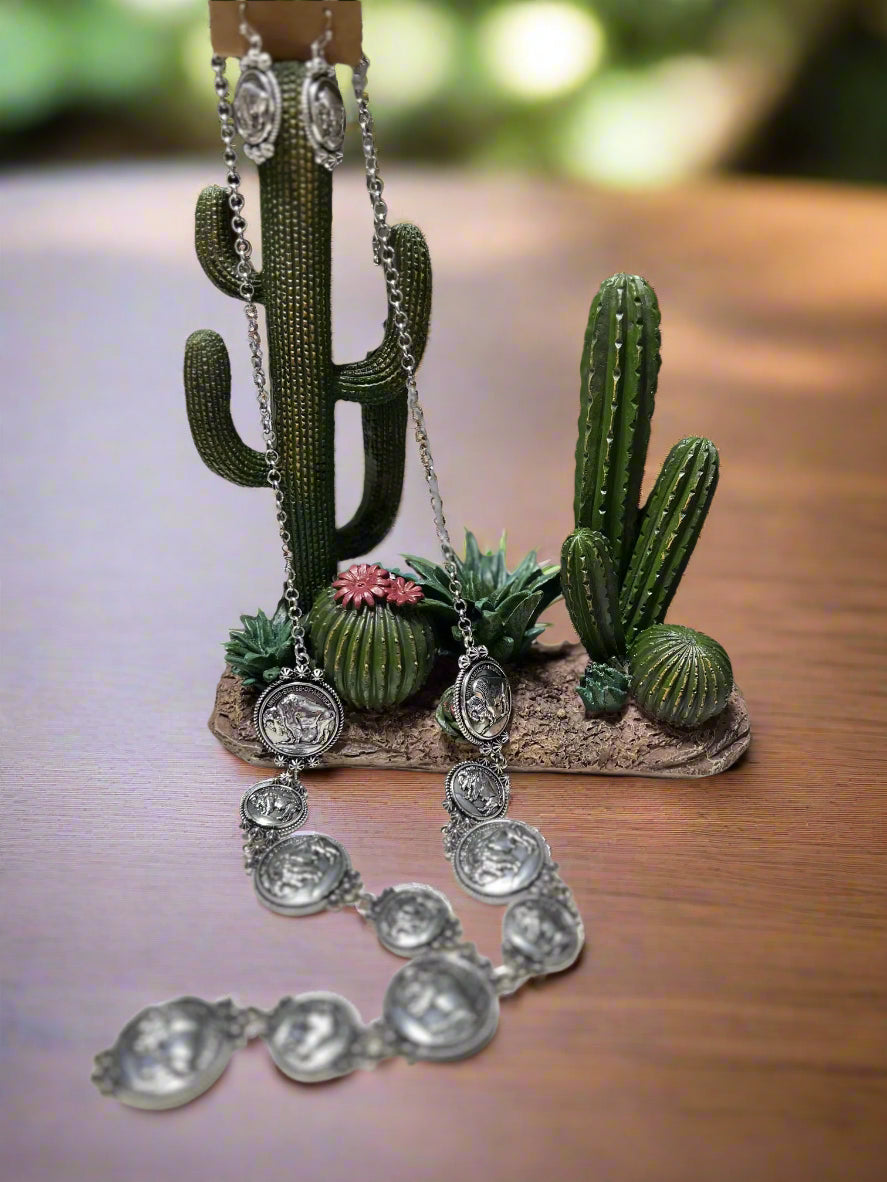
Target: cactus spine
294, 286
618, 373
588, 582
671, 522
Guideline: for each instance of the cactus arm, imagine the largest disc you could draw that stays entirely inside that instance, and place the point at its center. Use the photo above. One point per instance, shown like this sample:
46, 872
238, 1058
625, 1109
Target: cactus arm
588, 581
618, 375
384, 436
670, 525
208, 401
214, 242
379, 377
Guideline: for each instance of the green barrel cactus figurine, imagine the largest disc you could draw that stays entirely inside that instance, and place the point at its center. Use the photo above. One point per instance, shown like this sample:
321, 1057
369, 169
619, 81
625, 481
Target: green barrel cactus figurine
294, 287
371, 639
621, 566
679, 677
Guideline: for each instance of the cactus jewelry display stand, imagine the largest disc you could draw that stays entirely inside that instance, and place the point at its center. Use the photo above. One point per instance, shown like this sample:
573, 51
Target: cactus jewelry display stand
577, 708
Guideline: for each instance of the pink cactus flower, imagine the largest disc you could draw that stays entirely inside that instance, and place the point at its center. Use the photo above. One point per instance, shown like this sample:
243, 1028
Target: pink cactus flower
362, 584
401, 591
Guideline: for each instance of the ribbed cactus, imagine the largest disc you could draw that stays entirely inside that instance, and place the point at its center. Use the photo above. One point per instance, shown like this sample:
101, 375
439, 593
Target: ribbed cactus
670, 526
622, 565
678, 676
588, 582
618, 374
375, 656
294, 286
604, 687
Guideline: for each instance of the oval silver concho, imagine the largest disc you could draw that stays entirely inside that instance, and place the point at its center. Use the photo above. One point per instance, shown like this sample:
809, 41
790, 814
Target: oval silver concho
477, 790
296, 875
482, 701
299, 719
442, 1006
496, 860
410, 916
171, 1053
314, 1037
257, 111
274, 804
323, 115
541, 934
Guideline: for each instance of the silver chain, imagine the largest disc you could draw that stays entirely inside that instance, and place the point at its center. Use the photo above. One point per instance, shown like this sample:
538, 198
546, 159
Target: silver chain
246, 281
384, 252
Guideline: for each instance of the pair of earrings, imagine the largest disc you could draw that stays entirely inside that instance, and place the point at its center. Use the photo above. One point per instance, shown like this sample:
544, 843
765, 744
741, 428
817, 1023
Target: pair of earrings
257, 102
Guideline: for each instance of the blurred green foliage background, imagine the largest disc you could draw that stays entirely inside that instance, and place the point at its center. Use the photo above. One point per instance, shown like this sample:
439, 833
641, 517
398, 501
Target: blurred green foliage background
621, 92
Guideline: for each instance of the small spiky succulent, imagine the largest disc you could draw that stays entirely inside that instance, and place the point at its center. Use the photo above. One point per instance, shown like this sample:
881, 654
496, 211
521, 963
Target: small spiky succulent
257, 651
503, 605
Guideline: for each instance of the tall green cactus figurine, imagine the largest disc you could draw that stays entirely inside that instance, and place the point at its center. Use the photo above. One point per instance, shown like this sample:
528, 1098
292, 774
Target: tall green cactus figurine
622, 565
294, 286
588, 582
670, 526
618, 374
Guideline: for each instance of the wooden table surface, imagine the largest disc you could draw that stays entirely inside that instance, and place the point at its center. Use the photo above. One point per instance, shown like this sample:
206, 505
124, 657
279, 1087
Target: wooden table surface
729, 1018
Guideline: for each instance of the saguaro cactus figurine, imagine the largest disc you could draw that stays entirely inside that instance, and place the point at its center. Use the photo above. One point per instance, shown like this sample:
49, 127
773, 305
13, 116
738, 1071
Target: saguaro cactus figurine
294, 286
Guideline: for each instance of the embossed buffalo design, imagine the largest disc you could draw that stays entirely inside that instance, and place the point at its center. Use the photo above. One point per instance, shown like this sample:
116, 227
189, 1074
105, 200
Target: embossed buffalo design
252, 106
501, 856
438, 1003
301, 868
167, 1045
314, 1039
537, 931
473, 784
299, 721
412, 917
273, 803
487, 703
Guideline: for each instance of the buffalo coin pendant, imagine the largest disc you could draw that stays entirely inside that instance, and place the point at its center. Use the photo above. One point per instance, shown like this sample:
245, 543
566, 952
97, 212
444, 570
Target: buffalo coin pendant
299, 719
323, 114
499, 859
441, 1006
314, 1037
170, 1053
274, 805
482, 701
541, 934
410, 917
257, 108
477, 790
298, 874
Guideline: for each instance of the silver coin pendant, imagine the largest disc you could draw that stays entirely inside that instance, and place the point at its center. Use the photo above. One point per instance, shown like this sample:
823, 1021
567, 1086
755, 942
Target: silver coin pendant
299, 719
477, 790
323, 114
410, 917
541, 934
314, 1037
497, 860
274, 805
298, 874
170, 1053
482, 701
441, 1006
257, 108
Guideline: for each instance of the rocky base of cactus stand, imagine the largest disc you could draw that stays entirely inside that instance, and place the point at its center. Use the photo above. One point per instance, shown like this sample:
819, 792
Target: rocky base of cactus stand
551, 732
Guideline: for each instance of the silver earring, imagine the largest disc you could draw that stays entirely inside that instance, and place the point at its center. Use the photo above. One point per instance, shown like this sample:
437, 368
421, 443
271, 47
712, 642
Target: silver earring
257, 105
323, 111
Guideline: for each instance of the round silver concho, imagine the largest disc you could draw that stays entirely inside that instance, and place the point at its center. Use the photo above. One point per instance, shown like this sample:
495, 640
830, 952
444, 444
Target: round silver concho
296, 875
323, 116
257, 112
442, 1006
496, 860
299, 719
410, 916
482, 701
314, 1036
169, 1054
274, 804
477, 790
541, 934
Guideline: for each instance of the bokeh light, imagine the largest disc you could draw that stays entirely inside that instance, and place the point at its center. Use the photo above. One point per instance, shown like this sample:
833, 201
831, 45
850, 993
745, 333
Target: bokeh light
541, 48
411, 46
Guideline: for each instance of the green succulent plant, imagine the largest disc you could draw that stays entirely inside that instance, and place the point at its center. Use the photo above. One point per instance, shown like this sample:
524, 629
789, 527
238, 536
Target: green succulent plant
503, 605
679, 676
621, 566
257, 651
604, 687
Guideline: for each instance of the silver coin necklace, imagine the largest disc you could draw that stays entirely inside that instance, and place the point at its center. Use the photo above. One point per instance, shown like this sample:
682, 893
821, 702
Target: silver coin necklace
443, 1003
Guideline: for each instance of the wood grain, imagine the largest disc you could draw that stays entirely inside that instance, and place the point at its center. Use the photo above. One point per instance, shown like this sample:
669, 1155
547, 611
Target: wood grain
729, 1017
